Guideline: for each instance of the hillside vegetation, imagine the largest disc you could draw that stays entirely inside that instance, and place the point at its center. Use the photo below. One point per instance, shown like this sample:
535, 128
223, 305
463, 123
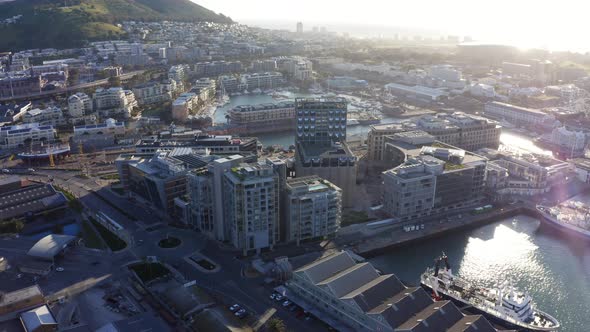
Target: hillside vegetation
71, 23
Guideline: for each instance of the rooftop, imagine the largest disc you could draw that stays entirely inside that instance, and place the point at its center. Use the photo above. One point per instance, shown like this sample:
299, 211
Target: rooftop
51, 245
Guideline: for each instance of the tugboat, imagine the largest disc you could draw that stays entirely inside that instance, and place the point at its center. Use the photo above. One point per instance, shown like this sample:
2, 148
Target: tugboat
505, 304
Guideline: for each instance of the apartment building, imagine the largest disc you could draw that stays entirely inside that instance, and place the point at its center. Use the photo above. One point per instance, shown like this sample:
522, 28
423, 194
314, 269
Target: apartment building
52, 116
514, 114
114, 102
251, 200
19, 136
313, 209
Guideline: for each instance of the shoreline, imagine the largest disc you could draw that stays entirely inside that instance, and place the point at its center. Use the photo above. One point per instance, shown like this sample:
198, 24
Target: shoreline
369, 248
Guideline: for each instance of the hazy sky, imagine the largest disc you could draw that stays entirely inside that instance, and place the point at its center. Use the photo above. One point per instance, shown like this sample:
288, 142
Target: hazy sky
549, 23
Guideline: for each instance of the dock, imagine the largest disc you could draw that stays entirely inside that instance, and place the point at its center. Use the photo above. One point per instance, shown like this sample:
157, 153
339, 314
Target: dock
369, 242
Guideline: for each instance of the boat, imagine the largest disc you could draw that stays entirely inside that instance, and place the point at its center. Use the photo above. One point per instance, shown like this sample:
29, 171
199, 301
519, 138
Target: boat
568, 216
352, 122
503, 304
44, 152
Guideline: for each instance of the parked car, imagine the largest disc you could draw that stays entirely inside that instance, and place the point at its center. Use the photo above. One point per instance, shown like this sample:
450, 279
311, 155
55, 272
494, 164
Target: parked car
286, 303
235, 307
240, 312
279, 297
59, 269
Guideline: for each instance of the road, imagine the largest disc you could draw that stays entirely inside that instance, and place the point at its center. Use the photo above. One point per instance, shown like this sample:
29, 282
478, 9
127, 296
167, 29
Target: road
73, 88
146, 232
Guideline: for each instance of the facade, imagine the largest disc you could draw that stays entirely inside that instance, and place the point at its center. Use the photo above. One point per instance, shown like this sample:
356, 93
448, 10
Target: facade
321, 143
299, 68
264, 66
205, 88
79, 105
98, 136
514, 114
251, 198
217, 144
159, 178
462, 130
52, 116
352, 296
262, 81
179, 73
19, 136
416, 92
216, 68
183, 106
13, 112
263, 117
20, 86
530, 174
153, 92
343, 83
432, 178
574, 141
312, 209
114, 102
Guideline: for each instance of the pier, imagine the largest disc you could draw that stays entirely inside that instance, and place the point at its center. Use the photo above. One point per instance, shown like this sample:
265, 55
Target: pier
368, 242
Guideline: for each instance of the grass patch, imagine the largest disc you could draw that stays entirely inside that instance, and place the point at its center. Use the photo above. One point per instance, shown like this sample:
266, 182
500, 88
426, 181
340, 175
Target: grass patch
91, 239
355, 217
452, 167
118, 190
169, 242
114, 176
149, 271
113, 241
73, 201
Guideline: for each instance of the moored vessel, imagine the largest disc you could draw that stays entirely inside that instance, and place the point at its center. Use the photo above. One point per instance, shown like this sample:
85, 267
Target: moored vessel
503, 304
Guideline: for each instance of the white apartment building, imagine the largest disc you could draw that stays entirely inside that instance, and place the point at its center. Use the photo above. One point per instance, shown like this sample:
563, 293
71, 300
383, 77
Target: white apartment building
179, 72
299, 68
114, 102
52, 116
79, 105
573, 140
19, 136
416, 92
313, 209
154, 92
183, 105
251, 199
515, 114
268, 80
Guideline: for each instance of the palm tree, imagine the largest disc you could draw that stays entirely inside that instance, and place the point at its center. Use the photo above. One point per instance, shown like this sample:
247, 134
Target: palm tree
276, 325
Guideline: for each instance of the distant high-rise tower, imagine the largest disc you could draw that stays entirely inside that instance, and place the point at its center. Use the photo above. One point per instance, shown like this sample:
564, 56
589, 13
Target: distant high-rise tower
299, 27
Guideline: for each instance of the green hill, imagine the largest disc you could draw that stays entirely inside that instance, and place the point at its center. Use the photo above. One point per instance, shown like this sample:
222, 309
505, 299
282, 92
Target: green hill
71, 23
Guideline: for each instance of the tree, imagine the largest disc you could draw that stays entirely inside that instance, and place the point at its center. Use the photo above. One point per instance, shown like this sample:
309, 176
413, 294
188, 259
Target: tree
276, 325
114, 81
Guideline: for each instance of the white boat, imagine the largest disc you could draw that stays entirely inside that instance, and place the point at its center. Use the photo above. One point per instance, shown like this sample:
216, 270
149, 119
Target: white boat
503, 304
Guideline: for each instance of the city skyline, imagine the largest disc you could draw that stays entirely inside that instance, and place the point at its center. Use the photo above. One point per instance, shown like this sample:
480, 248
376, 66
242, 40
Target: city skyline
525, 24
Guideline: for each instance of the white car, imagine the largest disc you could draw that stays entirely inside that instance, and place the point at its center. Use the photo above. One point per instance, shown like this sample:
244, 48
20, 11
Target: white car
59, 269
286, 303
234, 307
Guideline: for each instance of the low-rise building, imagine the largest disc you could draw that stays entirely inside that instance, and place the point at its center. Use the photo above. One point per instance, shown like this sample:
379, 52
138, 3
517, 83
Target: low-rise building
216, 68
514, 114
268, 65
114, 102
352, 296
79, 105
313, 209
19, 136
98, 136
22, 299
416, 92
153, 92
183, 106
52, 116
217, 144
11, 113
432, 178
262, 81
20, 86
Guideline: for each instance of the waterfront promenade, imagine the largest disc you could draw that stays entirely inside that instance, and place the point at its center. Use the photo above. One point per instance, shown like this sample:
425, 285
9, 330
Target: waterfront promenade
367, 241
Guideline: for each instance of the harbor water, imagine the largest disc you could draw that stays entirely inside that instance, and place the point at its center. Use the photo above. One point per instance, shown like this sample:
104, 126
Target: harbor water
284, 139
552, 267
